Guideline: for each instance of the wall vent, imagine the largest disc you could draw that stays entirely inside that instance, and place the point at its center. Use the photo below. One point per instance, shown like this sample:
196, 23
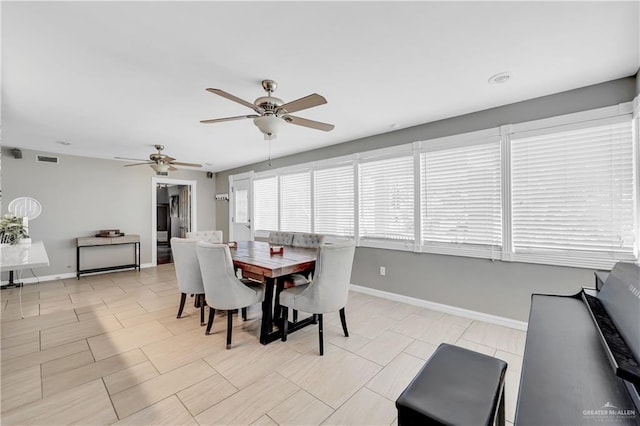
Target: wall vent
47, 159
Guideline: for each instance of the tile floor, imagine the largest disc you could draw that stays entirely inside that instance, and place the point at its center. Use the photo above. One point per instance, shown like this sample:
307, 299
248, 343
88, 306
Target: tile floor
108, 349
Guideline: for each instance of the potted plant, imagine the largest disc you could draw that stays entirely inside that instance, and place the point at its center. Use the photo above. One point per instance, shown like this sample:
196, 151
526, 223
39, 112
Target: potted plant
12, 229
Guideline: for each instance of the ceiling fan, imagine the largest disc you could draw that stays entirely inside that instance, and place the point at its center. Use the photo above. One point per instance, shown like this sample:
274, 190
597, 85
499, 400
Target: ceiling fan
272, 112
159, 162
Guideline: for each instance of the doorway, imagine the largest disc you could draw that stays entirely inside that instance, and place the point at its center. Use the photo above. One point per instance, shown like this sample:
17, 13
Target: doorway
173, 215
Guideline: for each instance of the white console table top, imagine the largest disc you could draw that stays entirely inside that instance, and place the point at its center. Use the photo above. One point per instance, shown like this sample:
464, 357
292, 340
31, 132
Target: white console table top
23, 256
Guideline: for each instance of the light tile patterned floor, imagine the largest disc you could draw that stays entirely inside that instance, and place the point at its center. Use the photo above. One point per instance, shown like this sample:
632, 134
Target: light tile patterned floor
108, 349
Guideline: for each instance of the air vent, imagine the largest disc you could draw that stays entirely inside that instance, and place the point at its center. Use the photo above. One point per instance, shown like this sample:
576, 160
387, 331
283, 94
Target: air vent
47, 159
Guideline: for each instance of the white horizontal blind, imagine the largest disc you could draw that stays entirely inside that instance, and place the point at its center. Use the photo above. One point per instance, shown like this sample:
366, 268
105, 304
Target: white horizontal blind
265, 204
295, 202
334, 200
574, 191
386, 199
461, 195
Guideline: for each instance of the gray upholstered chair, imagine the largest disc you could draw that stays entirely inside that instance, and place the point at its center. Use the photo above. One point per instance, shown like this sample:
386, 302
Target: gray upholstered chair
187, 267
212, 237
281, 238
305, 240
326, 292
223, 290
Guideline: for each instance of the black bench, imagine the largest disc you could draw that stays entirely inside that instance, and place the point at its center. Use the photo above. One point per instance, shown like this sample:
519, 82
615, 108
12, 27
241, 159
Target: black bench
456, 386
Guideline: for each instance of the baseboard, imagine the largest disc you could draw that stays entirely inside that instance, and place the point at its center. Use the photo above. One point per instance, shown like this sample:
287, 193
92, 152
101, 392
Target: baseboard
466, 313
44, 278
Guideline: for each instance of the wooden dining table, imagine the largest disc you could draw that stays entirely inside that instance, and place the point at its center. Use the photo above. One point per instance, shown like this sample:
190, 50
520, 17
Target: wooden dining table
257, 262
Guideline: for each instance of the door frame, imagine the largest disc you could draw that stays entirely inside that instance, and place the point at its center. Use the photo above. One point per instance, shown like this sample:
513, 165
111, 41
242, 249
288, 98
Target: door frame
232, 200
155, 180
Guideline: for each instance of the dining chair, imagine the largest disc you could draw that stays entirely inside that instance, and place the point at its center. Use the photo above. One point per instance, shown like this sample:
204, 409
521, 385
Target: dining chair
280, 238
185, 261
212, 237
306, 240
223, 290
326, 292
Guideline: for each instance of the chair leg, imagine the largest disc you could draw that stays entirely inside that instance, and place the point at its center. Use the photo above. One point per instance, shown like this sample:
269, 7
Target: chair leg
212, 313
285, 323
295, 315
183, 299
229, 327
244, 314
320, 334
343, 320
202, 310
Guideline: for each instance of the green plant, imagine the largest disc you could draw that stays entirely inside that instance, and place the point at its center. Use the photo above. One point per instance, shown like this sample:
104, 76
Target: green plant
12, 228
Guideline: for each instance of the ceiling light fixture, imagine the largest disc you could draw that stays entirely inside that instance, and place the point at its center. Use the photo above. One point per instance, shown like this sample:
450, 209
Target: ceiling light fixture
500, 78
269, 125
160, 167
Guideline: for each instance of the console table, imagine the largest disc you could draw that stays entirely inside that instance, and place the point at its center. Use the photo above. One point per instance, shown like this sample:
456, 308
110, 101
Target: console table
85, 242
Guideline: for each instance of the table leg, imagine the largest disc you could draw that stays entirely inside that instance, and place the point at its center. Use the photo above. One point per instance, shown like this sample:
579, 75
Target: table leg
267, 311
277, 311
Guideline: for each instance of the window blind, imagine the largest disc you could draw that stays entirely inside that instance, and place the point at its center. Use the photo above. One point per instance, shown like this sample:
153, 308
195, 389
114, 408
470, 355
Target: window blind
265, 204
334, 201
461, 195
295, 202
386, 199
574, 191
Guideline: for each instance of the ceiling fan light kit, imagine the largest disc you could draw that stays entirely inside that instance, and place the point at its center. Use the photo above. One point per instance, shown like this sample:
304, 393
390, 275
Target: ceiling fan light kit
273, 113
161, 163
269, 125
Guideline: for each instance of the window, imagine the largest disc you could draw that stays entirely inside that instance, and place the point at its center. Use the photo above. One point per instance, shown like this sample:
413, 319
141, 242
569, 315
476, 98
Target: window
295, 202
386, 199
334, 201
242, 205
461, 199
558, 191
573, 191
265, 201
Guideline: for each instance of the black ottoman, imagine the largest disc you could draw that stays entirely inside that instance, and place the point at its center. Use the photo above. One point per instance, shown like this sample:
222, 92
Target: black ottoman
456, 386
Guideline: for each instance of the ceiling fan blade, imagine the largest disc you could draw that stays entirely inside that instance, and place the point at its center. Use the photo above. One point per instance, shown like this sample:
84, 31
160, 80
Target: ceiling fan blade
172, 169
178, 163
219, 120
303, 103
168, 159
138, 164
130, 159
235, 99
326, 127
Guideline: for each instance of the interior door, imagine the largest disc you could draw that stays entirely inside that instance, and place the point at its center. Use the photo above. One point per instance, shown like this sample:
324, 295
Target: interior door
240, 210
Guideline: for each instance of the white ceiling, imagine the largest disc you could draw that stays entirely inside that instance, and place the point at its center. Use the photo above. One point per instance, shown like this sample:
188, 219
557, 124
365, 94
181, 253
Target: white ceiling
115, 78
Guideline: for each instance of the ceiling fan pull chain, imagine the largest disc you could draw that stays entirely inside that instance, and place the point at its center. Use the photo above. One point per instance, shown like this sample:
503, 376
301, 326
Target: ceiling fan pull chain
269, 152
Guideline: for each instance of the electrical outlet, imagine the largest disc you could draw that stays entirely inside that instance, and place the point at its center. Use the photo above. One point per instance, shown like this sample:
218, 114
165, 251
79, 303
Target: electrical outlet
383, 271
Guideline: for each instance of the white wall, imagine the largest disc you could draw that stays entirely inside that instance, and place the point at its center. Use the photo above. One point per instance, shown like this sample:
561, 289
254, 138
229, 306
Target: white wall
80, 196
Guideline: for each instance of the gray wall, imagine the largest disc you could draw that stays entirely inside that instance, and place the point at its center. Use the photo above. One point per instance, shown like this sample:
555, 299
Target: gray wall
80, 196
497, 288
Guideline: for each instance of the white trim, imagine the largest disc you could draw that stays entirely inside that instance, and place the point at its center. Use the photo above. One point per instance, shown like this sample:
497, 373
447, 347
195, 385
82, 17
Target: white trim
155, 180
402, 150
461, 312
479, 137
505, 176
522, 134
68, 275
576, 117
